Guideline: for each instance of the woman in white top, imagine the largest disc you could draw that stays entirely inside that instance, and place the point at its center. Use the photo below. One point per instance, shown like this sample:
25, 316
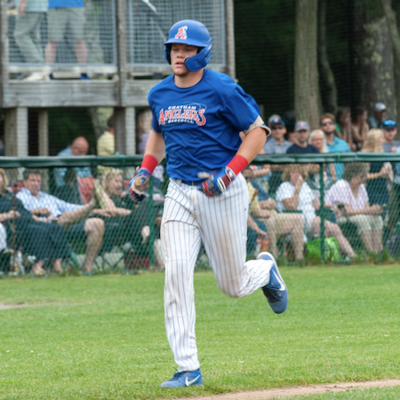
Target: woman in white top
351, 192
295, 194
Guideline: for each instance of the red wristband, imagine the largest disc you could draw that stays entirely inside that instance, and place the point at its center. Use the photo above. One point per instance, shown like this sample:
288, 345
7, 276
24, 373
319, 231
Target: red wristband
149, 162
238, 164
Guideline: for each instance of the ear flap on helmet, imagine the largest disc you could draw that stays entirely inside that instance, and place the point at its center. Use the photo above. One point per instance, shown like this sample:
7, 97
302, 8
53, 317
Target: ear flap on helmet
200, 60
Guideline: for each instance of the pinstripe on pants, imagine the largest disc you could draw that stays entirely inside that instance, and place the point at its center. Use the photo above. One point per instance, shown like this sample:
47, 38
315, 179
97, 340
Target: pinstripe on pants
221, 223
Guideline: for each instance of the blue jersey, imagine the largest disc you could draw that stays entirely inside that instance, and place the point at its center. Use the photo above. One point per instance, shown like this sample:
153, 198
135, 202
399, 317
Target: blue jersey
201, 124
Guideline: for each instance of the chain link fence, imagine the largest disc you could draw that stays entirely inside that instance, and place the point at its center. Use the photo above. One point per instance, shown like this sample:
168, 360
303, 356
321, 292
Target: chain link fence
75, 213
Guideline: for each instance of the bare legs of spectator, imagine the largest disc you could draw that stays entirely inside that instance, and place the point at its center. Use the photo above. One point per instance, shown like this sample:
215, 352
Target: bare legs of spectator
57, 265
50, 52
333, 230
372, 241
81, 51
38, 268
94, 229
286, 224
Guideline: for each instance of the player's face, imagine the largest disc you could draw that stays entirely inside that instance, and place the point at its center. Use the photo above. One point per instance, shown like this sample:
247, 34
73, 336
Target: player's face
33, 184
179, 53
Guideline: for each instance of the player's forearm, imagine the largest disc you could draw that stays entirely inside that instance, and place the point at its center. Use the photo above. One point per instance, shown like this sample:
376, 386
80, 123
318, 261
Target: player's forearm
252, 144
155, 146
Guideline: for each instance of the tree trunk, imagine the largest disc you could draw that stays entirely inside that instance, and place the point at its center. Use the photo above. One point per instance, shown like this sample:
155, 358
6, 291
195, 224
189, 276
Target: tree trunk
99, 117
379, 72
393, 25
327, 77
306, 88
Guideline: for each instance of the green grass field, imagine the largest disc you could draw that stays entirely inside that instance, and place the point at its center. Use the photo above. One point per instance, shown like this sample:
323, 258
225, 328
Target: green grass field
103, 337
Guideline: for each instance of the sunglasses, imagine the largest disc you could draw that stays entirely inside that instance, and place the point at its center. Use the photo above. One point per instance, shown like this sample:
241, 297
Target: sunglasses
389, 123
274, 128
328, 123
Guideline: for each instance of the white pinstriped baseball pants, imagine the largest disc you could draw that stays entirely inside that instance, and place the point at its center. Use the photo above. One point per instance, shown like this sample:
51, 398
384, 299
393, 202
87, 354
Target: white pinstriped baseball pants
221, 223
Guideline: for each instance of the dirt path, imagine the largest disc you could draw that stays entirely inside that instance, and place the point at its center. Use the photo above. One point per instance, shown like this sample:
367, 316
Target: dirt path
288, 392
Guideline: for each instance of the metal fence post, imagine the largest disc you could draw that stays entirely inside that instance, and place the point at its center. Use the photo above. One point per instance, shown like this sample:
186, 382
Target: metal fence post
151, 221
322, 210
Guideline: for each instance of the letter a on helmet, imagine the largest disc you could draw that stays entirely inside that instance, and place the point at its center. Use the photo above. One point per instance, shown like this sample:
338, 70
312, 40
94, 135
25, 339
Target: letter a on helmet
193, 33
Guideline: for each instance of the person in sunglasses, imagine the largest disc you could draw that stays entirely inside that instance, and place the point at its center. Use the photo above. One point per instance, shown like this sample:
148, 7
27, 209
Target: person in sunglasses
389, 132
276, 145
334, 144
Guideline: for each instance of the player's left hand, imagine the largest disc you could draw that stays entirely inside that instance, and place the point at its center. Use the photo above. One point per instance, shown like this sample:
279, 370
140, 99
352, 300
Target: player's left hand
218, 183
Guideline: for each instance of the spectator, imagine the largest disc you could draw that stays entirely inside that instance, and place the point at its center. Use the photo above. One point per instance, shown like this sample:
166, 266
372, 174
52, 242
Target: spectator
131, 217
379, 171
351, 192
334, 144
276, 145
72, 217
278, 225
295, 194
389, 132
27, 32
79, 147
359, 126
343, 127
291, 137
106, 144
44, 241
302, 146
60, 14
375, 121
317, 139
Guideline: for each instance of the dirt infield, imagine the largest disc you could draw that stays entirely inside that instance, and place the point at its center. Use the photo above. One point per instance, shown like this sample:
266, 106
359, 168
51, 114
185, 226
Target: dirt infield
288, 392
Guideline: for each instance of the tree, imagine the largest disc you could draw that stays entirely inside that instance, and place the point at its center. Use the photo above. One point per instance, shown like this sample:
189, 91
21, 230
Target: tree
306, 83
327, 77
395, 38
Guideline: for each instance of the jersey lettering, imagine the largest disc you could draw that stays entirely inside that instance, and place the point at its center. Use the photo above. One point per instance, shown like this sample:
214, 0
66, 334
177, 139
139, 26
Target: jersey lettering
181, 33
188, 113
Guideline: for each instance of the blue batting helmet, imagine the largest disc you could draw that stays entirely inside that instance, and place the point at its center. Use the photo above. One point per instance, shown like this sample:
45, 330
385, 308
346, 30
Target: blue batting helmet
193, 33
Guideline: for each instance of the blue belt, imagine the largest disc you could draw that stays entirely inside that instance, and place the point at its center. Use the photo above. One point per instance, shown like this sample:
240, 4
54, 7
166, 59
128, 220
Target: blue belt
194, 183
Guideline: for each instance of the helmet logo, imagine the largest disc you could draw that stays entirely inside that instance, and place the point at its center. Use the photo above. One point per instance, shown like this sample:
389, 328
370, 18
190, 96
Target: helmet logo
181, 33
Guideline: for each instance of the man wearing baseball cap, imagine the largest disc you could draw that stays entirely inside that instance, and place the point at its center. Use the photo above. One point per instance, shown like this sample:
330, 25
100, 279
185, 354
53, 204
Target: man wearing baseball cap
376, 121
276, 145
389, 127
302, 130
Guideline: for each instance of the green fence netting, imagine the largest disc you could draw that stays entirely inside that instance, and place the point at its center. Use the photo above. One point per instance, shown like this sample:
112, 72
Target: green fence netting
75, 213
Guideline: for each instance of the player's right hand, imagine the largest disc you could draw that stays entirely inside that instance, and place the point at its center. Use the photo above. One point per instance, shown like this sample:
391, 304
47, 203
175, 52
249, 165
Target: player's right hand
138, 184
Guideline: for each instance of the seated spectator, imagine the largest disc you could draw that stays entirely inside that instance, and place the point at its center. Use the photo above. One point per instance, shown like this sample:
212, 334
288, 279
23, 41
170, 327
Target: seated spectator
72, 217
36, 238
276, 145
106, 144
302, 146
291, 137
317, 139
295, 194
130, 218
351, 192
389, 132
343, 127
359, 126
334, 144
79, 147
375, 121
379, 171
278, 225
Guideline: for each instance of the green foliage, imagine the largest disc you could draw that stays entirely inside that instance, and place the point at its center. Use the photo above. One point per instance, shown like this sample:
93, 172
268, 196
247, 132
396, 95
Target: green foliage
103, 337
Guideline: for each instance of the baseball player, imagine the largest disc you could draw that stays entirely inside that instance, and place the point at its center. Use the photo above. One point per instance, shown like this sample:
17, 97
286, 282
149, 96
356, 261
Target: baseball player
197, 116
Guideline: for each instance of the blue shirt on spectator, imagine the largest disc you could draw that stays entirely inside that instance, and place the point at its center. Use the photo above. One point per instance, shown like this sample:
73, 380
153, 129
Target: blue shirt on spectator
59, 173
45, 200
66, 3
273, 147
338, 146
296, 149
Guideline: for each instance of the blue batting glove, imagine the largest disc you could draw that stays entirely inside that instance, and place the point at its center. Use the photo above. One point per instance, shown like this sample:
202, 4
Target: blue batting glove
218, 183
138, 184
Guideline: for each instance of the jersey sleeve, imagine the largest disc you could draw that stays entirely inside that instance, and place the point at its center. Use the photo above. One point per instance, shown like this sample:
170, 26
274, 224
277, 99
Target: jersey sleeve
241, 110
